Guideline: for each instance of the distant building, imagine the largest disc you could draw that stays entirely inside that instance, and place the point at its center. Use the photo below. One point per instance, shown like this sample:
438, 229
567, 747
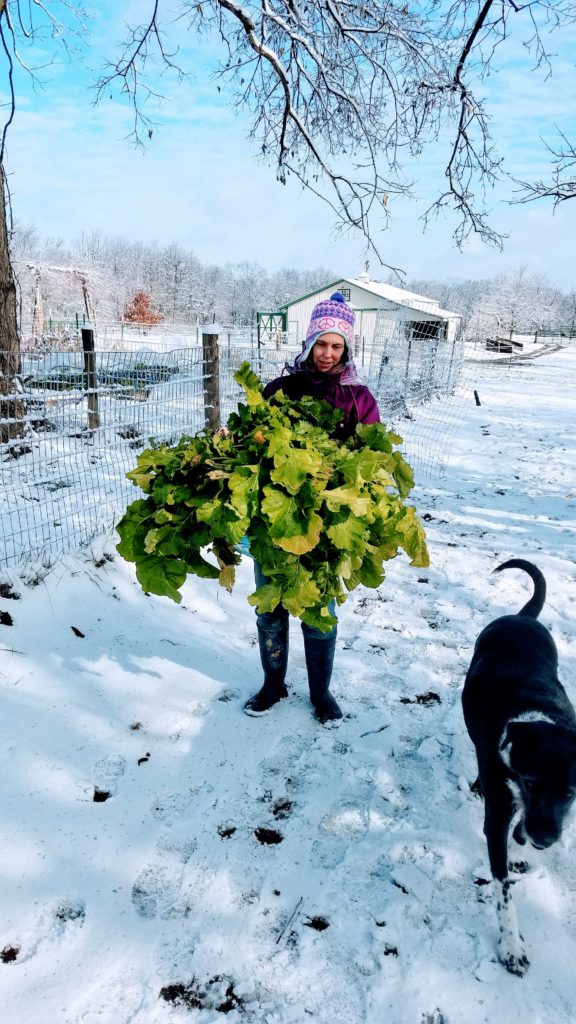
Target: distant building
419, 317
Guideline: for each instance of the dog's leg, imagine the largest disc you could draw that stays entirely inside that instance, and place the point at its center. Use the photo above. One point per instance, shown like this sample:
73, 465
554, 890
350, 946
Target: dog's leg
510, 946
499, 809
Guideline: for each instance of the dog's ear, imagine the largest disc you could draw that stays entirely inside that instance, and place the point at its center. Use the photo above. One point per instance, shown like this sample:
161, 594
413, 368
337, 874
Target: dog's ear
519, 741
512, 733
527, 746
523, 733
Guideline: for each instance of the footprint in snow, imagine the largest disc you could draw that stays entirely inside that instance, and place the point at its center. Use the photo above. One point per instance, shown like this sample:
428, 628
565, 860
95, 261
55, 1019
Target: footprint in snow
156, 891
286, 756
71, 908
387, 789
106, 774
329, 851
58, 920
119, 999
282, 807
436, 1017
170, 807
228, 695
346, 819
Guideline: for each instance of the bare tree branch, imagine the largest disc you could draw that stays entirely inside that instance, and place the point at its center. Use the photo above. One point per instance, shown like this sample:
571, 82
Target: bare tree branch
8, 47
562, 186
144, 45
342, 95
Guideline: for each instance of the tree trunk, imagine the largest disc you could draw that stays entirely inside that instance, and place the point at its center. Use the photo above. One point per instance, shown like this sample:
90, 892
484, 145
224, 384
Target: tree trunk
11, 408
9, 340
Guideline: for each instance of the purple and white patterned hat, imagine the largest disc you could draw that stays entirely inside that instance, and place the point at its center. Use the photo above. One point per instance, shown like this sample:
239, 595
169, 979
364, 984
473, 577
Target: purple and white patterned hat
331, 316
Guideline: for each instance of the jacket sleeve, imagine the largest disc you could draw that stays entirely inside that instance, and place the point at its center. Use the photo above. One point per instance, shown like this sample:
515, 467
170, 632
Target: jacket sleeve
278, 384
272, 387
368, 411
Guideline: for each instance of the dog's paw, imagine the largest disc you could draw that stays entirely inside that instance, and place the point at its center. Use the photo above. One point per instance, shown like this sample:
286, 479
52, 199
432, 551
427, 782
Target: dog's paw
519, 867
517, 963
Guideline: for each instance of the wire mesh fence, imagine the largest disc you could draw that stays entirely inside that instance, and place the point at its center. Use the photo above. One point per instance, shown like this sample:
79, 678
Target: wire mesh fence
417, 362
124, 335
63, 471
425, 373
68, 437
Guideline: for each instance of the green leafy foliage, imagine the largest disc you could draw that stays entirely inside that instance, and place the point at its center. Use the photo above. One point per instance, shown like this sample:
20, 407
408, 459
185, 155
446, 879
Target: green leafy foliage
322, 516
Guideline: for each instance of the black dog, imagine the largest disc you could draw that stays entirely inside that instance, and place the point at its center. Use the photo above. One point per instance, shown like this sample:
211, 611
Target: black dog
524, 730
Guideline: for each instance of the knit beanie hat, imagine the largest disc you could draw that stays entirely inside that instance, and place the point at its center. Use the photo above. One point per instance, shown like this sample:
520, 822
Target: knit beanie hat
331, 316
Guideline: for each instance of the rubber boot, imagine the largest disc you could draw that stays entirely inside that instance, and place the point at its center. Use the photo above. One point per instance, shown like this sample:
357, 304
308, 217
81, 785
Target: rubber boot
319, 660
274, 656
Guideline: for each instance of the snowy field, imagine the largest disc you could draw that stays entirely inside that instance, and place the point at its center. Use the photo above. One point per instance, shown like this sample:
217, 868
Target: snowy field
166, 859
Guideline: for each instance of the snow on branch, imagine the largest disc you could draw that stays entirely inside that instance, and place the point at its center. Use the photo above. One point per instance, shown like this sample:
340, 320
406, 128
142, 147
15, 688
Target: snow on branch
562, 185
344, 95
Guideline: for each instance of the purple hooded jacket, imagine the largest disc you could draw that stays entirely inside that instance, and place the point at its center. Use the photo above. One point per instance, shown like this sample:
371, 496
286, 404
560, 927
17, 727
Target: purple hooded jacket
341, 388
356, 401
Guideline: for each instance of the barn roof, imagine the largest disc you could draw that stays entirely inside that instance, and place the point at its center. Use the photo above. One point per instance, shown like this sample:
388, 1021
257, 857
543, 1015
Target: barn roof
379, 290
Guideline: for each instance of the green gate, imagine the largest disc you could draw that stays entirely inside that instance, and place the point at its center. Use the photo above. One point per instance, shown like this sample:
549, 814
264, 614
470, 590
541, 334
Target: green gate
270, 324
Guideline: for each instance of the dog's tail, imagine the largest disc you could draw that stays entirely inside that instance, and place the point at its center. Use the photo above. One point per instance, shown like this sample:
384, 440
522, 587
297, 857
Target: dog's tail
536, 602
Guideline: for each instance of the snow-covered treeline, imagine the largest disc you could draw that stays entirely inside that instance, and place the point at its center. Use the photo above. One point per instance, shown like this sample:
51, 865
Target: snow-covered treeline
517, 301
184, 288
181, 286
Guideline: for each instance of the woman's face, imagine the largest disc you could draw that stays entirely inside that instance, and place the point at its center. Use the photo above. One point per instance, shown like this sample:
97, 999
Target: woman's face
327, 352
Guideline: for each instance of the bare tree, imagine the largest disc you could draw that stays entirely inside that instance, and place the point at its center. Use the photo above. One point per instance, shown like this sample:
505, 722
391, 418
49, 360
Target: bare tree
345, 94
173, 278
517, 301
9, 344
568, 315
20, 24
180, 285
11, 408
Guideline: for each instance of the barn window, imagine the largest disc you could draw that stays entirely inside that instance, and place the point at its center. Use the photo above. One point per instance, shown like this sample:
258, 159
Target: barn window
346, 293
424, 330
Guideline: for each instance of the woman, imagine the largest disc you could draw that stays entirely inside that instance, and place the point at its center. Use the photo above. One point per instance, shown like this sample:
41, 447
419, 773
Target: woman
324, 369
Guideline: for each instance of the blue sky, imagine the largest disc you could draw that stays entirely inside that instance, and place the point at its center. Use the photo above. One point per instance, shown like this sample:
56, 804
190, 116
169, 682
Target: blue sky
199, 184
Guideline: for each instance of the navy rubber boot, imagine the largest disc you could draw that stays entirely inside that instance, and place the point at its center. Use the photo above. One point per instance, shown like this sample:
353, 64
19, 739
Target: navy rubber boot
274, 656
319, 660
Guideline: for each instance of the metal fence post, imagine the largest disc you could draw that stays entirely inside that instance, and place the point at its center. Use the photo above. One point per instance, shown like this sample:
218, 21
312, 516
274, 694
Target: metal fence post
408, 360
211, 375
91, 378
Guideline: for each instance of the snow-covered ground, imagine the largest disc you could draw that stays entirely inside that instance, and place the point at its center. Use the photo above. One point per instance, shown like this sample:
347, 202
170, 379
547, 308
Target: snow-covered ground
269, 871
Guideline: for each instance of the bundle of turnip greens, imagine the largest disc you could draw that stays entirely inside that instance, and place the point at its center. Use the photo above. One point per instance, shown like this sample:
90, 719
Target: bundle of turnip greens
321, 516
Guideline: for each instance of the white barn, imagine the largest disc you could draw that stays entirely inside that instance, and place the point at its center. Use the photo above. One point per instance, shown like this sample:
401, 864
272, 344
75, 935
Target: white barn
374, 304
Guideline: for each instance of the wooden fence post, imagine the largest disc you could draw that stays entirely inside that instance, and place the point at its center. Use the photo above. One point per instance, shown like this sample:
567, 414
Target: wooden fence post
211, 375
91, 378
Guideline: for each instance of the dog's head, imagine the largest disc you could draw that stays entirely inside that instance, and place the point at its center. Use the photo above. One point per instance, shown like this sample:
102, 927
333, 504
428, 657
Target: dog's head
541, 760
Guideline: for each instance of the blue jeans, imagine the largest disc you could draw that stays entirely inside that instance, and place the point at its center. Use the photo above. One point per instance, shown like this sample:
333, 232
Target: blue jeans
275, 624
